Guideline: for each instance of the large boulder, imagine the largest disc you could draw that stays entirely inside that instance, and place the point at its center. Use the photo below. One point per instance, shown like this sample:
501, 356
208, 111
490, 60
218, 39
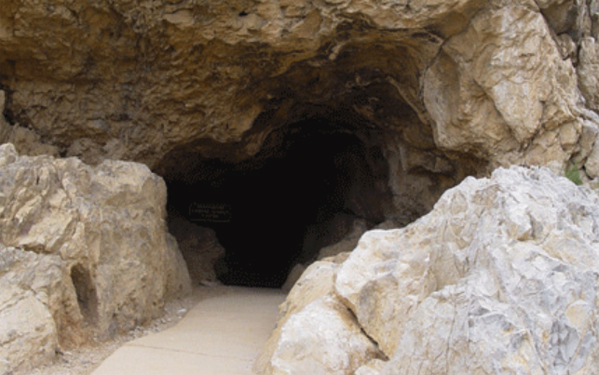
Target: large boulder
199, 246
312, 319
84, 253
501, 277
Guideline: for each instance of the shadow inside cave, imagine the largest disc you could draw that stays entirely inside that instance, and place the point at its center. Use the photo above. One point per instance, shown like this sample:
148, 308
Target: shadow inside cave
280, 208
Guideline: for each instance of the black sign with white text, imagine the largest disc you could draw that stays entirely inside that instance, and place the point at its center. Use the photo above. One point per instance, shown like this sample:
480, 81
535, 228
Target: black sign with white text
210, 212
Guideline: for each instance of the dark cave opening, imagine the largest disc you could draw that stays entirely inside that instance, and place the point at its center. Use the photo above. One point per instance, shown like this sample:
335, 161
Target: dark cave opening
280, 207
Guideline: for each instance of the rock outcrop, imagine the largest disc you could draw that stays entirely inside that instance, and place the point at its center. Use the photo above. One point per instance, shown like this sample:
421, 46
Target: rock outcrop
501, 277
317, 333
444, 89
84, 254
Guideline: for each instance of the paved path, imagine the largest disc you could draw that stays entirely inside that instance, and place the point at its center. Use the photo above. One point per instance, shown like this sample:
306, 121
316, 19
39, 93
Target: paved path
222, 335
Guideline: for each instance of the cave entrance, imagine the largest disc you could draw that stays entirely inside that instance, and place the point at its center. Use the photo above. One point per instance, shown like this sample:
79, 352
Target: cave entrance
280, 207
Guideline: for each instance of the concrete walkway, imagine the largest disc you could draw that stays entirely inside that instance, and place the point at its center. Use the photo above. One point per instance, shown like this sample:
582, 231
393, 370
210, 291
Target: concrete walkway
222, 335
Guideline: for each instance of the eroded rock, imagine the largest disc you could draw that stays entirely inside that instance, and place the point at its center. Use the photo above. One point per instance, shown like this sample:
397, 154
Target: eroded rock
38, 309
312, 318
500, 276
26, 141
84, 253
492, 273
200, 248
159, 82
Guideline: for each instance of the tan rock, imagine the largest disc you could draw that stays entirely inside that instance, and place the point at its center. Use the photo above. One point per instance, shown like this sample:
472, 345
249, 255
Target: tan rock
38, 309
199, 246
25, 140
491, 89
157, 83
592, 163
588, 71
91, 245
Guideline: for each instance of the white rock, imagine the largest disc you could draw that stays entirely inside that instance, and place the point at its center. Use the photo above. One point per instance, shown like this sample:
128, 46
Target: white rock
501, 277
316, 333
323, 338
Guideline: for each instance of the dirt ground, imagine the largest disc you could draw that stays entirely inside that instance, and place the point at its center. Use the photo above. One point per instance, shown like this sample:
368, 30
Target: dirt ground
83, 361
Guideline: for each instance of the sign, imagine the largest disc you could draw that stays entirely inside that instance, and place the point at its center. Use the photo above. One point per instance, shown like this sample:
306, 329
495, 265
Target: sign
210, 212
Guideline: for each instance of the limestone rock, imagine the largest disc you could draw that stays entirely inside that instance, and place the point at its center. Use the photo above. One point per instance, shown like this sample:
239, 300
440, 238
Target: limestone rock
372, 367
316, 282
313, 319
592, 163
155, 83
87, 249
325, 323
199, 246
25, 140
499, 275
499, 278
437, 90
588, 71
466, 89
38, 309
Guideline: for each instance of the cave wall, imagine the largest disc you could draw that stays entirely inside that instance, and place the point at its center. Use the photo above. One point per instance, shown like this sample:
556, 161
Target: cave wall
134, 80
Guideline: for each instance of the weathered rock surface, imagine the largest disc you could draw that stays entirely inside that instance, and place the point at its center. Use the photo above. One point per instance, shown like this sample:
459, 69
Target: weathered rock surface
504, 67
84, 253
38, 309
446, 88
501, 277
25, 140
317, 333
199, 246
432, 91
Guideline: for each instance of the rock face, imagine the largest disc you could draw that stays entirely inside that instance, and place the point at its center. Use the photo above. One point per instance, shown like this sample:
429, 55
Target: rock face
501, 277
442, 89
200, 248
317, 333
25, 140
38, 309
84, 254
